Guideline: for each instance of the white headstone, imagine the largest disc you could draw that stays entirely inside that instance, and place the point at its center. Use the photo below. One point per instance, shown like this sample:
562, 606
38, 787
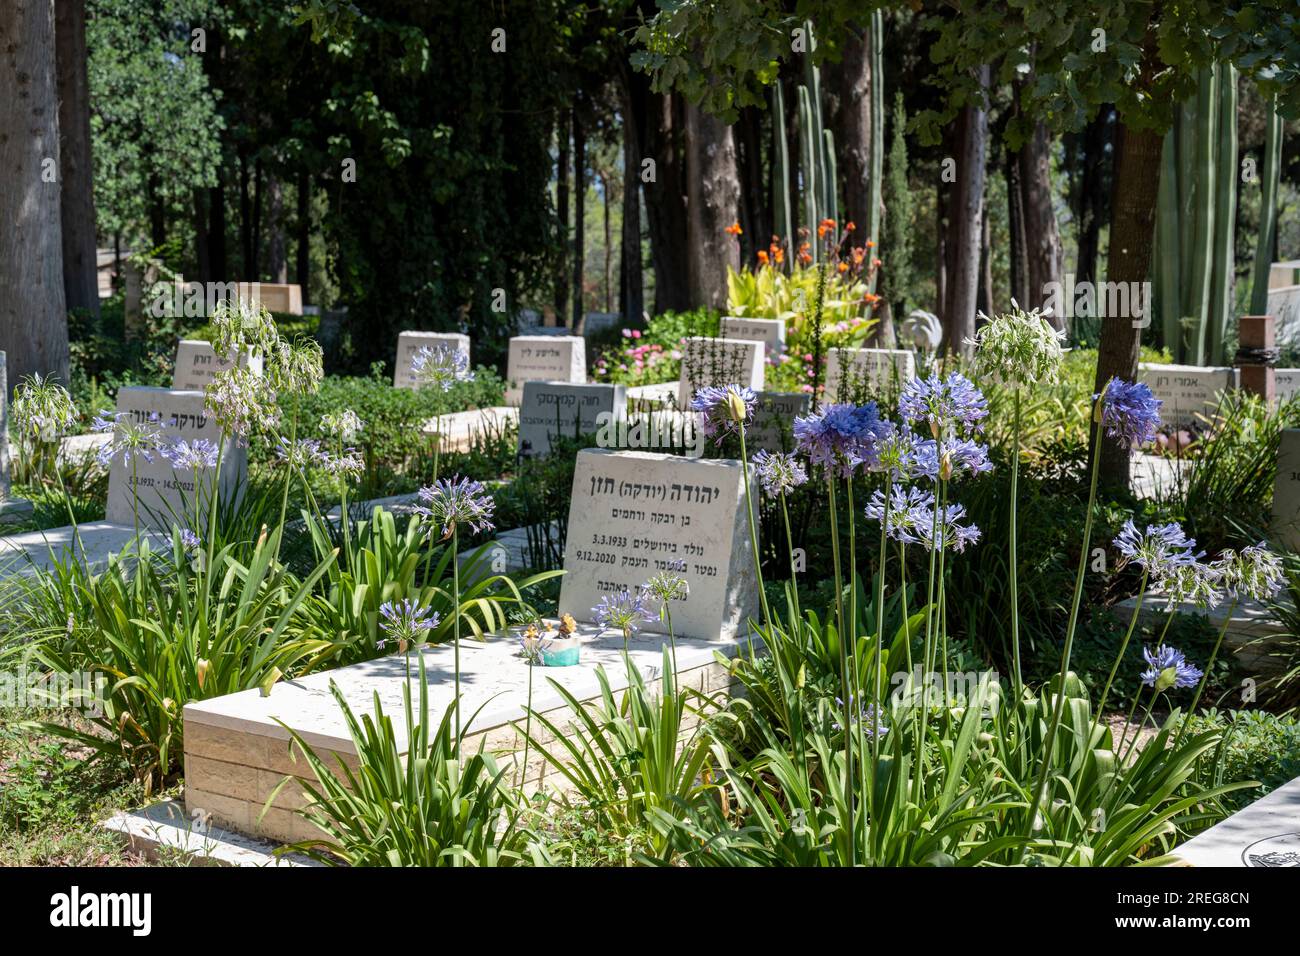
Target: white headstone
544, 358
710, 361
1186, 391
771, 332
167, 495
1286, 491
563, 408
773, 423
1287, 382
1284, 306
409, 343
197, 362
634, 514
852, 370
1284, 274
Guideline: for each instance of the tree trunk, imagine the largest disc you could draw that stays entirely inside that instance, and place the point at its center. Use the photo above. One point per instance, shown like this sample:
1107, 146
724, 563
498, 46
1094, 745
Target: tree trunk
986, 298
712, 198
1019, 260
218, 261
246, 267
941, 248
201, 257
631, 289
562, 214
1097, 137
1042, 236
609, 243
1132, 231
856, 132
966, 225
579, 217
80, 276
277, 259
755, 216
302, 252
665, 201
33, 306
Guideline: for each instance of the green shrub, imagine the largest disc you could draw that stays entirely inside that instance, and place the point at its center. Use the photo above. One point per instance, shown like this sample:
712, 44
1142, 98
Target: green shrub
1256, 746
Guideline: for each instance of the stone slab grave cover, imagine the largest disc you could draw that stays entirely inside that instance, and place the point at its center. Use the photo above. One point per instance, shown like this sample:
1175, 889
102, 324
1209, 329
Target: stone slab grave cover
563, 408
715, 361
544, 358
197, 362
11, 508
771, 332
772, 427
634, 514
409, 343
165, 492
848, 370
1284, 306
1186, 391
1265, 834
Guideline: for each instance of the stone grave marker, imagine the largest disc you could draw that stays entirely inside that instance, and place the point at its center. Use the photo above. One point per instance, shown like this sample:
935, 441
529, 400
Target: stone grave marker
563, 408
165, 492
1284, 306
1285, 526
710, 361
1186, 391
772, 427
544, 358
1286, 382
409, 343
850, 371
771, 332
634, 514
1284, 273
197, 362
273, 296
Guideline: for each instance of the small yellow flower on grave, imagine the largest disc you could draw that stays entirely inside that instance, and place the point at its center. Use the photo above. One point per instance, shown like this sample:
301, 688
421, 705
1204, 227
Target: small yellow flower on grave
567, 624
201, 670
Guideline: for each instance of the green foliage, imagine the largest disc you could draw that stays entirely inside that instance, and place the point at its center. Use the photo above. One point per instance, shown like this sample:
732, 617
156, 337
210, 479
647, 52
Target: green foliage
162, 635
413, 800
651, 355
1256, 746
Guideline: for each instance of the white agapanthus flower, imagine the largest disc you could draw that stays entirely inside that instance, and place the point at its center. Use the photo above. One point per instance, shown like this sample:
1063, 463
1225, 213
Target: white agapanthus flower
1019, 347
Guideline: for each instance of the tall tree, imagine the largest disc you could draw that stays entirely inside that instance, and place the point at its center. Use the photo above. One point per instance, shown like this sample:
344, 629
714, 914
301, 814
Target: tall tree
965, 209
33, 308
712, 204
1042, 235
631, 288
80, 266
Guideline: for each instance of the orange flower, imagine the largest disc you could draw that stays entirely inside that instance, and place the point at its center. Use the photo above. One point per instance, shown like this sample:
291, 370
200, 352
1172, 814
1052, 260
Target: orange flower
825, 226
849, 226
780, 256
734, 229
871, 243
876, 263
842, 267
804, 255
762, 257
858, 255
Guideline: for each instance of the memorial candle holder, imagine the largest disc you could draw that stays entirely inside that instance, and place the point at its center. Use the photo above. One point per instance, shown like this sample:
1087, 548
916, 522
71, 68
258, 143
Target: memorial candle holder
565, 648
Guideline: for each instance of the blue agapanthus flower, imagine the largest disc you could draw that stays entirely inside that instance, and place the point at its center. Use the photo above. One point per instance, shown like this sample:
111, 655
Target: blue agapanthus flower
910, 516
623, 611
724, 407
945, 405
943, 459
779, 472
1158, 549
406, 622
451, 502
843, 437
1130, 412
1168, 668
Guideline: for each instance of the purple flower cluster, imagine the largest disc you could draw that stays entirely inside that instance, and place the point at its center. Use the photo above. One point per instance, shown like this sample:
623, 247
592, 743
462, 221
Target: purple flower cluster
941, 459
724, 408
441, 366
779, 472
131, 436
911, 516
842, 437
190, 455
1167, 667
405, 622
623, 611
945, 405
1159, 550
451, 502
1130, 412
308, 453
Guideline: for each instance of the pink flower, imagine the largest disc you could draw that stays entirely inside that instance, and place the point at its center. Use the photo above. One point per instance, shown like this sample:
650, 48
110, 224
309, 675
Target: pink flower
627, 333
636, 333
